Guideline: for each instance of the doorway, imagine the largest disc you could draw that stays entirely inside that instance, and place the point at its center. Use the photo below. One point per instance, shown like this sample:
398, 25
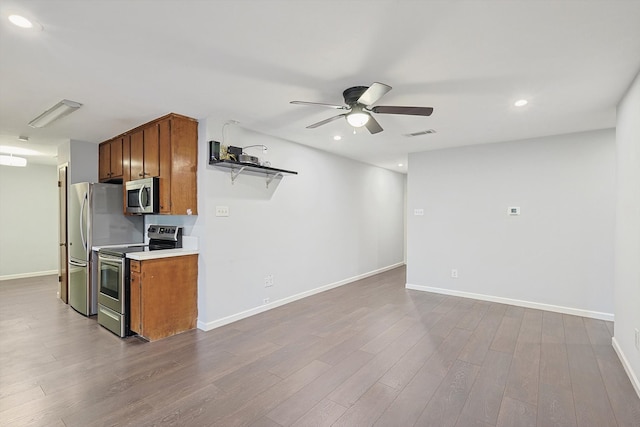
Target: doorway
63, 289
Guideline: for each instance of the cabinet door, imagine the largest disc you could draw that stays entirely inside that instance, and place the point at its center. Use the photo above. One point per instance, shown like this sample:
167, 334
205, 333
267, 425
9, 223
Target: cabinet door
104, 161
116, 158
164, 130
151, 151
135, 304
168, 295
137, 155
126, 169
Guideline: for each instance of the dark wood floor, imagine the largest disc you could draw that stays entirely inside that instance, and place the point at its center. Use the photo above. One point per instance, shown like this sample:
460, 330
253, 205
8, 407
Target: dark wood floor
369, 353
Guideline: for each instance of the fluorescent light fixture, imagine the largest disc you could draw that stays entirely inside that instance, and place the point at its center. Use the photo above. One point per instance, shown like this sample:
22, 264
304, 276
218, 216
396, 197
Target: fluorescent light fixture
56, 112
12, 161
20, 21
521, 103
357, 118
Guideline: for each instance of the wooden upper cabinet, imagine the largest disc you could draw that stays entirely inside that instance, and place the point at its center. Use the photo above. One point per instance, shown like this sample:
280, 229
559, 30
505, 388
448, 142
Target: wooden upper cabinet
145, 157
184, 165
151, 151
136, 162
164, 143
166, 148
104, 161
110, 160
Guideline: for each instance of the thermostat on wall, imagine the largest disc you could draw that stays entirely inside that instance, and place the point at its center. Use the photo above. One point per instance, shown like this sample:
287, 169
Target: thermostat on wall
515, 210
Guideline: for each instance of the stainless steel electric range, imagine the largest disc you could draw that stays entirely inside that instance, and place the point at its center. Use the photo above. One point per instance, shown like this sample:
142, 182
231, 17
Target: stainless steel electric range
113, 276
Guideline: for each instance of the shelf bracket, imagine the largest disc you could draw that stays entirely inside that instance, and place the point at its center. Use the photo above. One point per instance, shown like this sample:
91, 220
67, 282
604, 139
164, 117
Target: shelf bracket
235, 174
271, 177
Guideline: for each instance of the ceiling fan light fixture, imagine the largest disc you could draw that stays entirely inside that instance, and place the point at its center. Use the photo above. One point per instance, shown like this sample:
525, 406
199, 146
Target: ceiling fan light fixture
54, 113
357, 119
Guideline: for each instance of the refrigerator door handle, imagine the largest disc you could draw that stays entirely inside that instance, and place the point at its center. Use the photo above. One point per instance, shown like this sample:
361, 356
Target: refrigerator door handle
84, 203
77, 264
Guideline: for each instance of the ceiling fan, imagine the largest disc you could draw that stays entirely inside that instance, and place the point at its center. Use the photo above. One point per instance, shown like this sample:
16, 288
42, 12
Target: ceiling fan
360, 100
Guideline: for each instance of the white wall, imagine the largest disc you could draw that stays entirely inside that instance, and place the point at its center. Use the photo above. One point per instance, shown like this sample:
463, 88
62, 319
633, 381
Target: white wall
627, 242
557, 255
338, 219
82, 159
28, 220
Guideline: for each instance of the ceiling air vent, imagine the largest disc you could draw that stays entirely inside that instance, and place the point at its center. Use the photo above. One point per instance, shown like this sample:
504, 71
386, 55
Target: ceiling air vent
422, 132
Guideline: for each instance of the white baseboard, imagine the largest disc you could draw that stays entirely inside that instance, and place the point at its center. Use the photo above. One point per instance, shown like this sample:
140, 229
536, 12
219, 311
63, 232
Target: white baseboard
626, 365
520, 303
24, 275
207, 326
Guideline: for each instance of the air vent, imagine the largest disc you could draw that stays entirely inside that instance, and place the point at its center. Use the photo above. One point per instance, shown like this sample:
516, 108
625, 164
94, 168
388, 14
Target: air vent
422, 132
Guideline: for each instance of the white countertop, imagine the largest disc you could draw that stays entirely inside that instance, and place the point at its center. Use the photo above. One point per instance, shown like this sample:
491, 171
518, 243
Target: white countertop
163, 253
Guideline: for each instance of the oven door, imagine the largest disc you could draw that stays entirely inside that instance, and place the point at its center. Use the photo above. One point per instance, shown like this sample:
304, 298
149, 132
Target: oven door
111, 282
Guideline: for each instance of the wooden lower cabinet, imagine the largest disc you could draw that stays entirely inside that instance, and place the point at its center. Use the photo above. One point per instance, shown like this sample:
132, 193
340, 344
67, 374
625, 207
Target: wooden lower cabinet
163, 298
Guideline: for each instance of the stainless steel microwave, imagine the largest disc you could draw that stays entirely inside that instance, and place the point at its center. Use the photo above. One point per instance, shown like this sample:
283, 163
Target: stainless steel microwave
143, 196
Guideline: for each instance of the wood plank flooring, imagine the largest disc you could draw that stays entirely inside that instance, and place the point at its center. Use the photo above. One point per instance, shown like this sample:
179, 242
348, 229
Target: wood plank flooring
369, 353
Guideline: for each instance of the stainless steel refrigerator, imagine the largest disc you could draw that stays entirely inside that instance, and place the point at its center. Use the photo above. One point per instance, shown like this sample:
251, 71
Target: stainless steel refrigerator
95, 218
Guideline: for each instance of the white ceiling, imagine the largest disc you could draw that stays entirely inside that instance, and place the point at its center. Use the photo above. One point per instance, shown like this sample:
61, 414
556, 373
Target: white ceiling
131, 61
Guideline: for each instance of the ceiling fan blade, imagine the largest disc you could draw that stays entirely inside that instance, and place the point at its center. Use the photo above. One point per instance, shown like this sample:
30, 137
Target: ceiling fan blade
374, 93
324, 122
320, 104
373, 126
394, 109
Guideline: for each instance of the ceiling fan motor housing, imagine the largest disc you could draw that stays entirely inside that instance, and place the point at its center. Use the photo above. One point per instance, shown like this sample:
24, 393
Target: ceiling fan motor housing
352, 94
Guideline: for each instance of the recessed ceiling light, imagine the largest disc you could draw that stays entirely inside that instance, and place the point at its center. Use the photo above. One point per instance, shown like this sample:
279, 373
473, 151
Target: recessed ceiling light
521, 103
400, 165
337, 138
23, 138
20, 21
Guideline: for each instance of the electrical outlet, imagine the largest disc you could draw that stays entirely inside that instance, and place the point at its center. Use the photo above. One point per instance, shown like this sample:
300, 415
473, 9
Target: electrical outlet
266, 301
513, 210
222, 210
454, 273
637, 339
268, 281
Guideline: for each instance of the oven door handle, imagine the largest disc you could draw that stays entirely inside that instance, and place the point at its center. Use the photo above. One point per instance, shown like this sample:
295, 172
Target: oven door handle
110, 259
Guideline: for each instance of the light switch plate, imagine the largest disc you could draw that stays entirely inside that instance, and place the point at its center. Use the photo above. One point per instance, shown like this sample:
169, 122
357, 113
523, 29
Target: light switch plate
222, 210
418, 212
513, 210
